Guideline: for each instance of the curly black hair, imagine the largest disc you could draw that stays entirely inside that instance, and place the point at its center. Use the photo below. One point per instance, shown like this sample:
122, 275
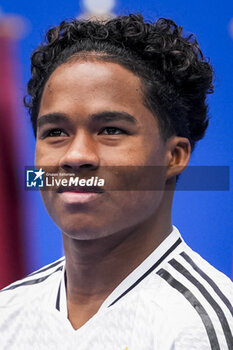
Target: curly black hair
175, 75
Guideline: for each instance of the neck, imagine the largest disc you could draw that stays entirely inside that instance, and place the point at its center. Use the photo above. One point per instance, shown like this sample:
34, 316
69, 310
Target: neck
94, 268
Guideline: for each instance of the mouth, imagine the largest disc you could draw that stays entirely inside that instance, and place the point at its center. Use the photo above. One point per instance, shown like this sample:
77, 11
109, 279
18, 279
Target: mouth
77, 195
79, 189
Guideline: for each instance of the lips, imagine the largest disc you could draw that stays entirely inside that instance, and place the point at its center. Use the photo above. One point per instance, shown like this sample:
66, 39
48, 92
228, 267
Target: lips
79, 189
70, 197
79, 195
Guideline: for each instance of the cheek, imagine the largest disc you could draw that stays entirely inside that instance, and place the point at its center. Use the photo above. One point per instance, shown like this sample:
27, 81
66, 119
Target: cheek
149, 150
137, 152
46, 156
40, 154
37, 158
53, 209
137, 206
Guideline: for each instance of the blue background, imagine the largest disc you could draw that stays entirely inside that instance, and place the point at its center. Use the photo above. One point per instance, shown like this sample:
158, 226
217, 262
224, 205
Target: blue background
205, 219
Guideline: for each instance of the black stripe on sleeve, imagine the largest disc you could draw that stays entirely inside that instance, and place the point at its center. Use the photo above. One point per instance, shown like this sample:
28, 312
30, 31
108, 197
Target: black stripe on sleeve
196, 305
31, 282
47, 268
225, 326
164, 256
58, 298
209, 280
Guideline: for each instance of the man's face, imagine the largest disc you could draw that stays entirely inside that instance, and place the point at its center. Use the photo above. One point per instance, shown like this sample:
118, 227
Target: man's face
92, 115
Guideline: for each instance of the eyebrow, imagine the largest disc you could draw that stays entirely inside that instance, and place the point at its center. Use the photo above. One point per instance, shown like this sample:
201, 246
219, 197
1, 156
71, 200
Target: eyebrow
108, 116
105, 116
52, 118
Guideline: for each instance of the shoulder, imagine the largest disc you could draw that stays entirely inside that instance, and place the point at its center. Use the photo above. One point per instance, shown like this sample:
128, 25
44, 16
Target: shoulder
188, 270
32, 286
197, 299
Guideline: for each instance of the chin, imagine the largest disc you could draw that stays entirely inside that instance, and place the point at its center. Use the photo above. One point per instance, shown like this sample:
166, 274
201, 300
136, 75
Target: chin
81, 235
84, 232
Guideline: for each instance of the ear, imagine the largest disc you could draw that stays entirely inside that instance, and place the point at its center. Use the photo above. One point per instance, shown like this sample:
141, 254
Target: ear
179, 151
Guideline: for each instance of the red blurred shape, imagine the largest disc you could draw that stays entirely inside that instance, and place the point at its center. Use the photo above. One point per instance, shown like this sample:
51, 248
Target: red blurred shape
12, 266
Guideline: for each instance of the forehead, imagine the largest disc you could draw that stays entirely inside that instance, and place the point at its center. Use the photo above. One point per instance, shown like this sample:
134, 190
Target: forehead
85, 82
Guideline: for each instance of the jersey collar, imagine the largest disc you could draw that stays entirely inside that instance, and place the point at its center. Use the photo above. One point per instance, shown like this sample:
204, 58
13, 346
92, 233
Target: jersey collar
153, 262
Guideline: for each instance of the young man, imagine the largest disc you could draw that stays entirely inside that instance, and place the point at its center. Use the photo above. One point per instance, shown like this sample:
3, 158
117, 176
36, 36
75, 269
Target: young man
122, 94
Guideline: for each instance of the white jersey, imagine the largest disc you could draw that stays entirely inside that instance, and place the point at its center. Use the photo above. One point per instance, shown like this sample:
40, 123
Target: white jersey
174, 300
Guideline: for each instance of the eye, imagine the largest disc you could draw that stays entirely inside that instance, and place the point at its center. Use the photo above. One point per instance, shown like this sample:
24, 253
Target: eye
112, 131
55, 133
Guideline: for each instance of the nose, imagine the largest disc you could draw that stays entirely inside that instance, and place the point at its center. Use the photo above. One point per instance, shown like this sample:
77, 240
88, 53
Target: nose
81, 153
